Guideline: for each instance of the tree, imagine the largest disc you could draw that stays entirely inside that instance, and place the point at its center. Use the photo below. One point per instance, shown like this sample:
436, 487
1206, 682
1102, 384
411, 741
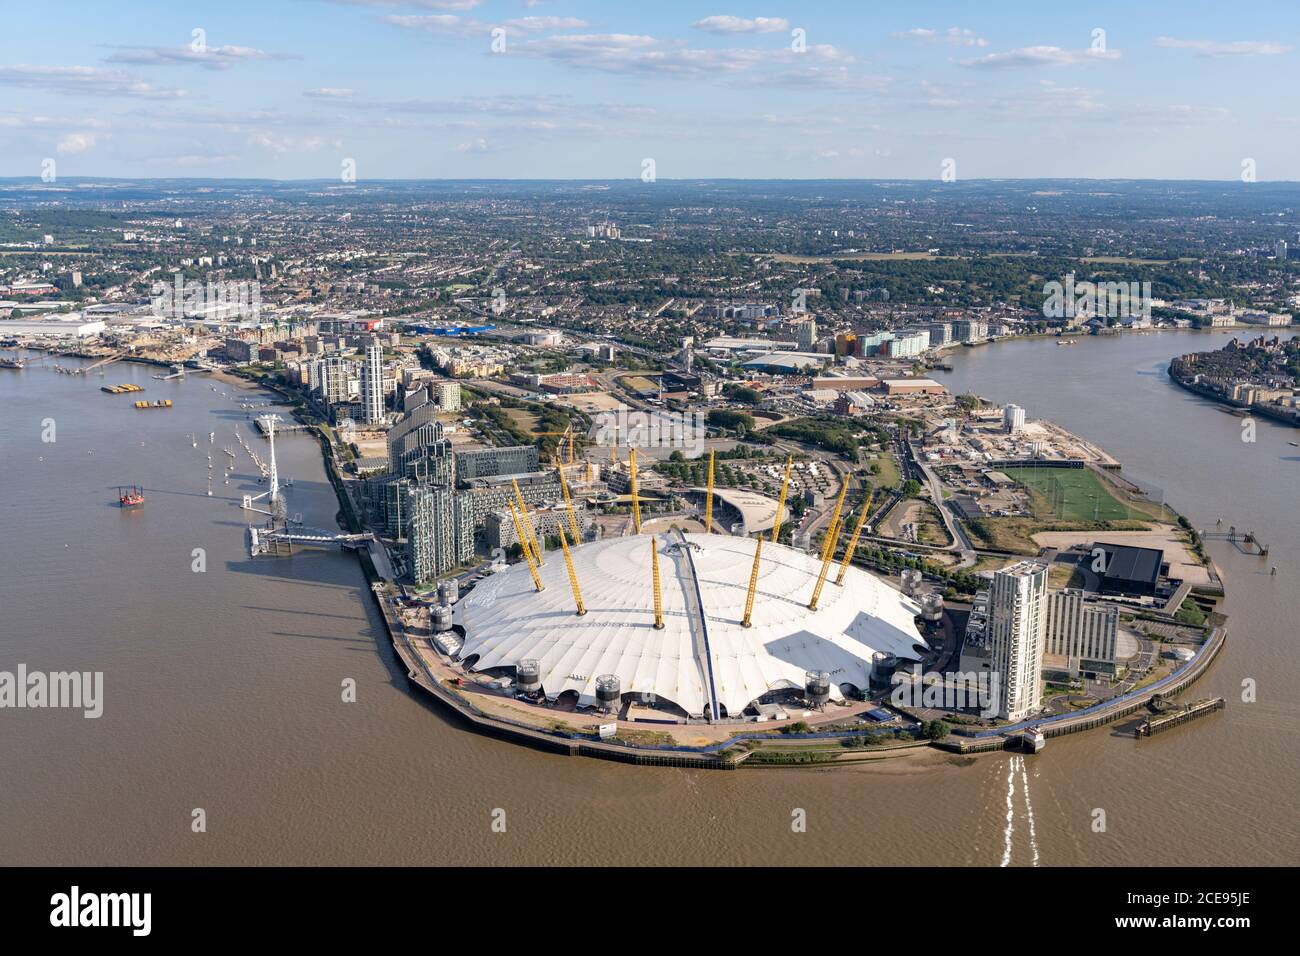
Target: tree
936, 730
911, 488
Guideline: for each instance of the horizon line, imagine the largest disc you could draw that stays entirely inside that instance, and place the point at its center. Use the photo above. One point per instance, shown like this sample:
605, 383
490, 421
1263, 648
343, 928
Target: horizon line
36, 180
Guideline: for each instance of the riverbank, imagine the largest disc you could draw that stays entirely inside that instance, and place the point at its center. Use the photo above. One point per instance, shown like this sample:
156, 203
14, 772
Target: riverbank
1252, 409
436, 675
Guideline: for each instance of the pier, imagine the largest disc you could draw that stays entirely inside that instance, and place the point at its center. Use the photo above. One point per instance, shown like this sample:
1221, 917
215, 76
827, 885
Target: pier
280, 542
1246, 543
281, 426
1168, 714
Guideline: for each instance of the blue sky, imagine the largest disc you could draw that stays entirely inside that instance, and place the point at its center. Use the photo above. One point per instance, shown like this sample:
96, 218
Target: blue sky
291, 89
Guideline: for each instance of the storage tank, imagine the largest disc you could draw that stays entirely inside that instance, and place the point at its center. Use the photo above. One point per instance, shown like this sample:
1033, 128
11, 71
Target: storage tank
528, 677
932, 607
911, 578
608, 691
817, 687
441, 617
883, 666
448, 592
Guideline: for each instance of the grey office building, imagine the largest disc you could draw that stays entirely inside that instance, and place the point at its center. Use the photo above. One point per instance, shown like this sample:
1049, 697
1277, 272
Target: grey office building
486, 462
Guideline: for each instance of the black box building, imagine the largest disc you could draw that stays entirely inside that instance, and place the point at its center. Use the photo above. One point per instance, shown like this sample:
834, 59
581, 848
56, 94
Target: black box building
1132, 572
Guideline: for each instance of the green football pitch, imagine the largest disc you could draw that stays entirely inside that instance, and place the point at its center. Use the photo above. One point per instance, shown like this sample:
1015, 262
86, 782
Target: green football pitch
1076, 494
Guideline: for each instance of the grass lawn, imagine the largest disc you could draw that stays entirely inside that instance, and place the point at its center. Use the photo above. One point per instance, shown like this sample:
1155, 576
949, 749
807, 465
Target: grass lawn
523, 419
1077, 494
889, 476
1016, 534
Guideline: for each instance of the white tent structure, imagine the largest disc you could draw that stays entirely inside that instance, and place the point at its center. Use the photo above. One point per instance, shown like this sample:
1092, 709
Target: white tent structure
703, 660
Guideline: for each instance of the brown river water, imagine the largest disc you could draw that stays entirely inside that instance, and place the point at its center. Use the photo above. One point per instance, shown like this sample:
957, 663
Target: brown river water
222, 688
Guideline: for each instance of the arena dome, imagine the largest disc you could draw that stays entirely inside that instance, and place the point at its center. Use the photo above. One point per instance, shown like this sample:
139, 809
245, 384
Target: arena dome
703, 660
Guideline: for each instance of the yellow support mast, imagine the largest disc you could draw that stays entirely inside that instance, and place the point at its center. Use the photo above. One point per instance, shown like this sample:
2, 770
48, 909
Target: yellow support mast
523, 543
753, 583
528, 523
780, 504
568, 507
659, 596
708, 499
828, 549
853, 540
573, 575
636, 498
758, 548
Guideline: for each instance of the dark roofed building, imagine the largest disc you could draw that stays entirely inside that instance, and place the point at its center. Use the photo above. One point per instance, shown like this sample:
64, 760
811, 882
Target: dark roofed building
1130, 571
967, 508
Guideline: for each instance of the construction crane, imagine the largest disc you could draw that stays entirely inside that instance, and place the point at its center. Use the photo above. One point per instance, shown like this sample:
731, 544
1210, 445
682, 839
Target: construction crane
780, 504
636, 499
828, 548
659, 597
528, 522
571, 445
853, 539
568, 507
708, 499
573, 575
523, 543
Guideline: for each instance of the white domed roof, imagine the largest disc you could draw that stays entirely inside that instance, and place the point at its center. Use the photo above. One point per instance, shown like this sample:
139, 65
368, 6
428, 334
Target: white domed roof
703, 659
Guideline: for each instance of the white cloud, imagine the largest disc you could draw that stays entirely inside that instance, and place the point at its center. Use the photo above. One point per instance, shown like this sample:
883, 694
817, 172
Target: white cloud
281, 144
479, 145
460, 5
957, 36
1217, 48
76, 143
212, 57
626, 53
89, 80
1040, 56
329, 93
445, 24
544, 24
736, 25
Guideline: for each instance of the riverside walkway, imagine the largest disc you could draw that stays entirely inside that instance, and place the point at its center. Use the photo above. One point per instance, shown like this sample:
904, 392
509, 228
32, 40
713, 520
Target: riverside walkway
995, 738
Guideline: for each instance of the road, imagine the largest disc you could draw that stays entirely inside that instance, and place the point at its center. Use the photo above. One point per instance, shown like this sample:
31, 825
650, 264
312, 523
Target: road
961, 543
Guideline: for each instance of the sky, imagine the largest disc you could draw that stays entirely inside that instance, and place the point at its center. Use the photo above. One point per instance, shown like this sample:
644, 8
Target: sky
551, 89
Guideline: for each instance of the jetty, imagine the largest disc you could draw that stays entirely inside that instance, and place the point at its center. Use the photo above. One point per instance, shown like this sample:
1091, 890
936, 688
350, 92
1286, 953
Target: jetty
1166, 714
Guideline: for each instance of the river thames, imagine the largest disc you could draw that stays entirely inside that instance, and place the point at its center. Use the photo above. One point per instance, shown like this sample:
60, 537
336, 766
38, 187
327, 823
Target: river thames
222, 687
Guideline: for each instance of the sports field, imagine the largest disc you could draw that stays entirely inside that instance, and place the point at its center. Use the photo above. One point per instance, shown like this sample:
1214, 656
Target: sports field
1077, 494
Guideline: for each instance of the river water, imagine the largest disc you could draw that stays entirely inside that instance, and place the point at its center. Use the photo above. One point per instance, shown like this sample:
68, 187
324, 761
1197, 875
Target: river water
223, 687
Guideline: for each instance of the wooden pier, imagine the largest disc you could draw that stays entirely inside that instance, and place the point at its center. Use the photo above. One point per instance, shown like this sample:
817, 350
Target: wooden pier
1171, 715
